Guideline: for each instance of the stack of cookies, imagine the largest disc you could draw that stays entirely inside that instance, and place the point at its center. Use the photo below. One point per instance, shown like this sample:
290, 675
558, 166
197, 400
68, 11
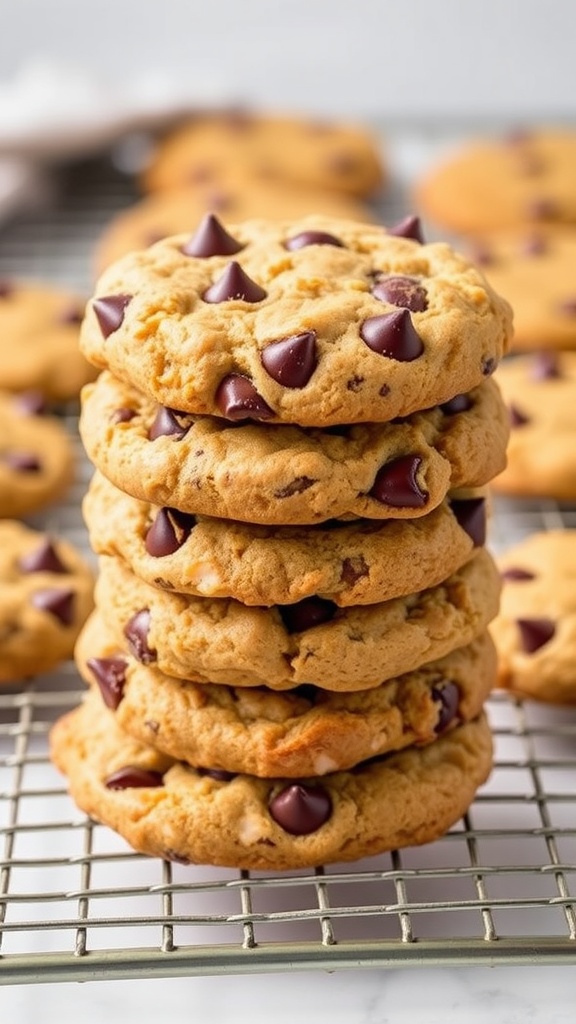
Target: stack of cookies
289, 656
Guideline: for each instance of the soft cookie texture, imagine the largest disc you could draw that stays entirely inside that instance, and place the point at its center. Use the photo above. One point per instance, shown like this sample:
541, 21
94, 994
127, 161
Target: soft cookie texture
37, 461
535, 630
490, 183
39, 329
46, 589
540, 392
312, 641
297, 151
533, 268
282, 474
349, 563
316, 321
167, 809
303, 732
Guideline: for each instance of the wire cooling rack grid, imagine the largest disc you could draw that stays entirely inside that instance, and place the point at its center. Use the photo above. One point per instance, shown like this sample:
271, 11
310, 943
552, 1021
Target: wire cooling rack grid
76, 903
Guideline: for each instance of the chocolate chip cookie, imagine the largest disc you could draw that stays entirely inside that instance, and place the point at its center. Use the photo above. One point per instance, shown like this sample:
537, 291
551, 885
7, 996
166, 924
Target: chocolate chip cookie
535, 630
307, 731
349, 563
45, 597
36, 457
281, 474
39, 329
317, 321
312, 641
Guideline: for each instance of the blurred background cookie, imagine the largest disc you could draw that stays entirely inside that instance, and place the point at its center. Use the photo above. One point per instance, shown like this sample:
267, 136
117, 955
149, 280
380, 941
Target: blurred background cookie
37, 461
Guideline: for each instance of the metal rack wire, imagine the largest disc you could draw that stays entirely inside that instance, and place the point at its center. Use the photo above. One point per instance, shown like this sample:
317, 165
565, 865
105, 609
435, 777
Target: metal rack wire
76, 903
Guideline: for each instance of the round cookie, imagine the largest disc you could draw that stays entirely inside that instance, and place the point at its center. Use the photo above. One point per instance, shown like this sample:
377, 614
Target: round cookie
167, 809
313, 641
339, 156
36, 457
315, 321
286, 474
534, 270
45, 597
349, 563
231, 197
535, 630
540, 391
303, 732
490, 183
39, 330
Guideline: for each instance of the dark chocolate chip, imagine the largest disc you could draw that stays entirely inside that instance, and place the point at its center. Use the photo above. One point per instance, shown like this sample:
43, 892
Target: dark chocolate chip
238, 399
22, 462
542, 209
489, 365
296, 486
136, 632
166, 423
448, 696
291, 361
354, 383
534, 633
517, 417
30, 403
384, 391
306, 614
169, 531
568, 307
300, 809
354, 569
534, 245
396, 483
305, 238
234, 283
123, 415
110, 674
471, 516
392, 335
517, 574
132, 777
58, 602
109, 310
211, 239
403, 291
44, 558
216, 773
408, 227
460, 403
7, 288
481, 255
545, 366
72, 315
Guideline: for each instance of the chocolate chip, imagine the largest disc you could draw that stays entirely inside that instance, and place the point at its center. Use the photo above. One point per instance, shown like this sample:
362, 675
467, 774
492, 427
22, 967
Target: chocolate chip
534, 245
354, 383
568, 307
403, 291
238, 399
488, 365
409, 227
109, 310
291, 361
384, 391
166, 423
542, 209
30, 403
545, 366
471, 516
296, 486
216, 773
305, 238
448, 696
58, 602
211, 239
169, 531
136, 632
132, 777
22, 462
234, 284
300, 809
482, 256
460, 403
123, 415
517, 574
306, 614
396, 483
7, 288
110, 674
72, 315
517, 417
534, 633
392, 335
354, 569
44, 558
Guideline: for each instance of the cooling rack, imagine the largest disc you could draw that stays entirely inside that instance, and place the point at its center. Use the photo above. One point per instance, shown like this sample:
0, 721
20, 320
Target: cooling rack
77, 904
